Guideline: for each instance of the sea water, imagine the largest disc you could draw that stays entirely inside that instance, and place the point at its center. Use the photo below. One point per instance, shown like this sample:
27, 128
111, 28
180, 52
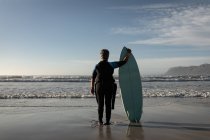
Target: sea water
74, 91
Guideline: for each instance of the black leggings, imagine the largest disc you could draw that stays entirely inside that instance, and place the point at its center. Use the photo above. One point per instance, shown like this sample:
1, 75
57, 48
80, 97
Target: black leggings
104, 91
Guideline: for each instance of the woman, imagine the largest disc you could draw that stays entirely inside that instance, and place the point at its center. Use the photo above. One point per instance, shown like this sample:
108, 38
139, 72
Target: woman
102, 83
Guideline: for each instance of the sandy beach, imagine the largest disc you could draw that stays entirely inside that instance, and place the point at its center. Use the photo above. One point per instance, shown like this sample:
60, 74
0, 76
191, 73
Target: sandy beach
56, 56
177, 120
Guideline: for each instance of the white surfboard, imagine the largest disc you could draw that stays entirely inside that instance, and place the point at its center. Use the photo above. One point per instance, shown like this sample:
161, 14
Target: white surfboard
131, 88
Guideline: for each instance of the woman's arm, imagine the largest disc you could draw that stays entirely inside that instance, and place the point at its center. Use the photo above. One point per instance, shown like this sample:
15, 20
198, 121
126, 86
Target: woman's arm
92, 85
92, 82
118, 64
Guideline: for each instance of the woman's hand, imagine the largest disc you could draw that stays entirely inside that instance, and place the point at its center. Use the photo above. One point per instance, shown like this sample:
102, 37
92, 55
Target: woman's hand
127, 55
128, 50
92, 90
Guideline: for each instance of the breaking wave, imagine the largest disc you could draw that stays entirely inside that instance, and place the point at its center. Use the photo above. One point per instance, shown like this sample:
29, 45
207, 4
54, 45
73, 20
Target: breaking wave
70, 78
146, 93
34, 87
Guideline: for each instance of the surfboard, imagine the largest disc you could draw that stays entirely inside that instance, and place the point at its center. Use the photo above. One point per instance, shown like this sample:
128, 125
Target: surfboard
131, 88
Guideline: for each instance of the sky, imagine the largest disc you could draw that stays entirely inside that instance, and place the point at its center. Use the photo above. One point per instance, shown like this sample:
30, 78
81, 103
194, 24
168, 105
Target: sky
64, 37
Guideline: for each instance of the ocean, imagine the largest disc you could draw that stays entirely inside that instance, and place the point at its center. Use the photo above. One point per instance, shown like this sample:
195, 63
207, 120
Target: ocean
74, 91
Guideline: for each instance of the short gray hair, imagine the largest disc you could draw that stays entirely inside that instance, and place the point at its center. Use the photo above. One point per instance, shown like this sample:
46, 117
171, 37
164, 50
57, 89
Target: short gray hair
104, 54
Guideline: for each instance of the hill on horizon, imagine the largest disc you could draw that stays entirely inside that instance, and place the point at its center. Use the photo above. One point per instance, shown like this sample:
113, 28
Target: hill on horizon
203, 69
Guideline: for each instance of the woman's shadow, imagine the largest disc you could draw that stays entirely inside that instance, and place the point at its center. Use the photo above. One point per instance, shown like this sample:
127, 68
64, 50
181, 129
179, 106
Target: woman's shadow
134, 131
105, 135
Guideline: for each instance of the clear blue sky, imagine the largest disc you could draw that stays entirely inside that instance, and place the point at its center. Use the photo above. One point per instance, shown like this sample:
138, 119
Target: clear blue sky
65, 36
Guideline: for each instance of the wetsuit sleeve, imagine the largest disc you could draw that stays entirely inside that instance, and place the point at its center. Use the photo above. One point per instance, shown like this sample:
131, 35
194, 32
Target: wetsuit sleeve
117, 64
94, 74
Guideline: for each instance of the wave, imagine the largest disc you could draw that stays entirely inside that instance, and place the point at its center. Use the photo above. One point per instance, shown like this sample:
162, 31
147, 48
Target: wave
70, 78
146, 94
176, 78
37, 96
41, 106
62, 78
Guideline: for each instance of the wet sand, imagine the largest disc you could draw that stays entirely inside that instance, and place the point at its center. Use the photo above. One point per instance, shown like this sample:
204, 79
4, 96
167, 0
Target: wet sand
172, 121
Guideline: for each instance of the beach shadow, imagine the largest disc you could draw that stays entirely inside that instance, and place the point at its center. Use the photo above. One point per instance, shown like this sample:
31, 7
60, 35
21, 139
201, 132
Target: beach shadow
105, 133
135, 131
162, 125
172, 125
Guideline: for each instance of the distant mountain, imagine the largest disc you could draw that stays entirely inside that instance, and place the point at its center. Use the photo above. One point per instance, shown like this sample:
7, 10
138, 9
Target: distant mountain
203, 69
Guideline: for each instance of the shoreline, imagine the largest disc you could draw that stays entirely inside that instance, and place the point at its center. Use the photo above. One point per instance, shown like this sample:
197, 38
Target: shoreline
168, 121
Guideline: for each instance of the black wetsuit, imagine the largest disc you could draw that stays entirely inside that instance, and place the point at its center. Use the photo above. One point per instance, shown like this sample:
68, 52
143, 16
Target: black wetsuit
104, 86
